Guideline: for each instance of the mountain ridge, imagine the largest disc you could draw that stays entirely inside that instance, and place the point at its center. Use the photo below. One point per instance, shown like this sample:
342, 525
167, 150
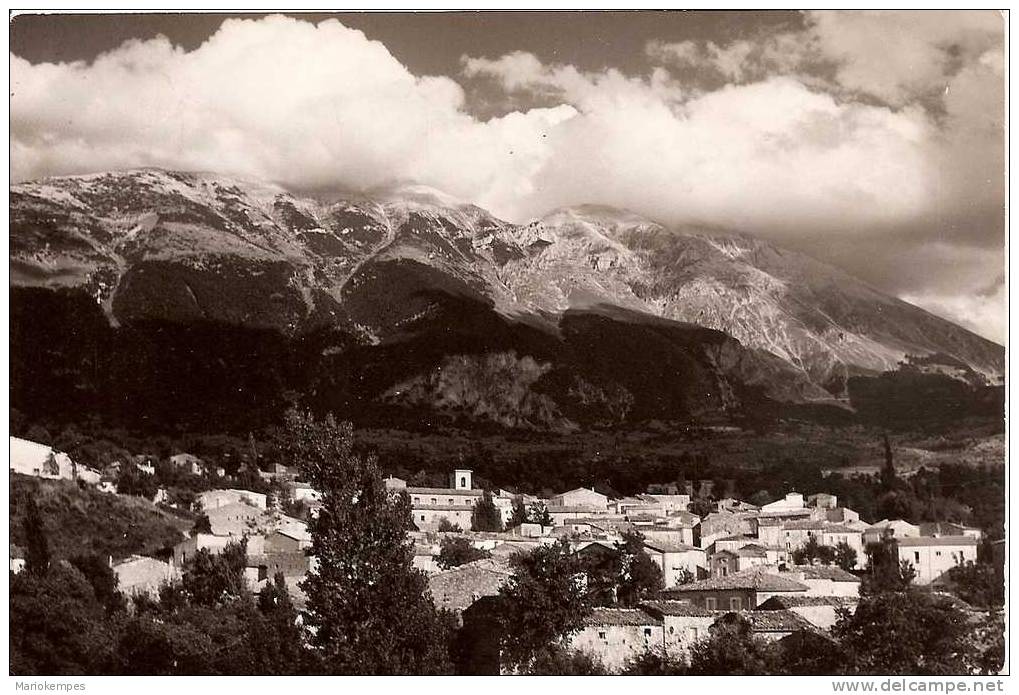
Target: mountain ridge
151, 244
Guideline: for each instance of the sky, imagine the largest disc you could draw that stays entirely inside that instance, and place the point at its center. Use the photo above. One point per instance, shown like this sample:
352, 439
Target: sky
870, 140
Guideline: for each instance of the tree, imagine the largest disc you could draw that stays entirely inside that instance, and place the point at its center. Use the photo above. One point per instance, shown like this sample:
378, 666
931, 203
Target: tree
543, 603
977, 584
888, 477
57, 627
557, 661
701, 506
845, 556
486, 516
538, 514
457, 551
210, 580
202, 524
37, 552
447, 526
655, 662
368, 609
884, 571
519, 513
275, 640
100, 575
812, 551
131, 481
639, 577
731, 649
907, 632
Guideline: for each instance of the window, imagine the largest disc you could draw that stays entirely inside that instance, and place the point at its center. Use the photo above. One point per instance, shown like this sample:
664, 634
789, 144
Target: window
417, 500
672, 629
735, 603
692, 634
434, 501
937, 553
602, 635
463, 482
711, 603
422, 517
451, 500
647, 633
916, 555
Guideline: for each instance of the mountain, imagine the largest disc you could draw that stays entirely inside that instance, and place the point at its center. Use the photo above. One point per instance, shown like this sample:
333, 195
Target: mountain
408, 297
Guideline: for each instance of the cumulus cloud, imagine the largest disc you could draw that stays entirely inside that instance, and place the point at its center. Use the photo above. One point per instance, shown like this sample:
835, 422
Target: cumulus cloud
281, 99
855, 125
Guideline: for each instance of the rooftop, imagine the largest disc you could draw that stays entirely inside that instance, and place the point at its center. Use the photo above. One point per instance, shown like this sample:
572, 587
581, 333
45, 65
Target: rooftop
760, 578
619, 616
830, 572
795, 601
936, 540
443, 491
677, 608
776, 621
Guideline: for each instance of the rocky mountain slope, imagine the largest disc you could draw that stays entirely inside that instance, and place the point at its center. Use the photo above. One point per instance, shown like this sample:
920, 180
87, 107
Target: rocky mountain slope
584, 308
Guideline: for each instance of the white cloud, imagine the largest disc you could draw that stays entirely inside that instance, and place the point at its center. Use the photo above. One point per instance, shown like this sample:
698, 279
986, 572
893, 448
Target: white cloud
277, 98
858, 124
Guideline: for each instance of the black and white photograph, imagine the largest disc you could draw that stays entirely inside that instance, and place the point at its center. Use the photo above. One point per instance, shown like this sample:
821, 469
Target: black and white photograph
508, 342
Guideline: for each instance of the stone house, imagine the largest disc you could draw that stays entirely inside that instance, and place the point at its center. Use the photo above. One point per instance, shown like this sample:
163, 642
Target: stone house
617, 635
933, 556
736, 592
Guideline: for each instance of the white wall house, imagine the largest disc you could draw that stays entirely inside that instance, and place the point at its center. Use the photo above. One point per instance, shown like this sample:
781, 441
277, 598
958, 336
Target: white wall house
932, 557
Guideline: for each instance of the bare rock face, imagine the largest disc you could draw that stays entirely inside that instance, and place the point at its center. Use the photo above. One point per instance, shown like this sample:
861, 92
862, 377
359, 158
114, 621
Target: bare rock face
718, 314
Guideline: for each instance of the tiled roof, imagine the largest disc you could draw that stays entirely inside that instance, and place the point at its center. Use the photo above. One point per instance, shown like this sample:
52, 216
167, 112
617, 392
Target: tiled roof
831, 572
677, 608
760, 578
443, 507
776, 621
620, 616
568, 510
669, 546
752, 550
458, 588
808, 525
443, 491
936, 540
795, 601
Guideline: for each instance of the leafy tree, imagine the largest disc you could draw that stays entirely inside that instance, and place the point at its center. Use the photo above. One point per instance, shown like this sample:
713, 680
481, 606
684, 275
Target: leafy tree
906, 632
731, 649
519, 513
202, 524
447, 526
210, 580
812, 551
655, 662
57, 627
889, 479
37, 552
557, 661
131, 481
808, 653
760, 498
544, 603
977, 584
486, 516
275, 640
845, 556
701, 506
538, 514
639, 577
884, 571
367, 609
103, 579
457, 551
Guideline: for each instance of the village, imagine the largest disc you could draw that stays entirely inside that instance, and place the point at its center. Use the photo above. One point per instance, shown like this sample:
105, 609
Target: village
789, 567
